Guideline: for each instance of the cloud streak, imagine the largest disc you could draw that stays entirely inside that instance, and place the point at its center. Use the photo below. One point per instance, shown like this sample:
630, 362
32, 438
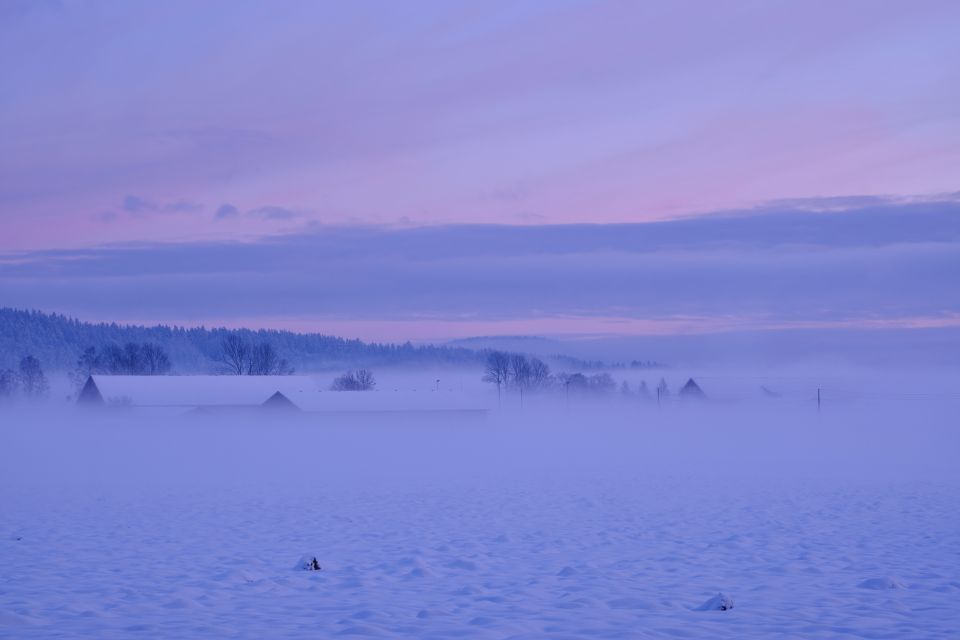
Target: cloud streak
883, 264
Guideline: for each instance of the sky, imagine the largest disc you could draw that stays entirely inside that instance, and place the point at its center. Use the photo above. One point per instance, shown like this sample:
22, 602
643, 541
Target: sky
433, 169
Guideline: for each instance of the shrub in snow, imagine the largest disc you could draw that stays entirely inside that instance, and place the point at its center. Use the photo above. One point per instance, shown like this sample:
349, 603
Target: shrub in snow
308, 563
882, 583
359, 380
719, 602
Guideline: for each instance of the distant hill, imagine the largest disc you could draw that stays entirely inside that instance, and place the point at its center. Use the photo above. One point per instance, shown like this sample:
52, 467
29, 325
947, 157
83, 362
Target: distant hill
527, 344
58, 340
556, 352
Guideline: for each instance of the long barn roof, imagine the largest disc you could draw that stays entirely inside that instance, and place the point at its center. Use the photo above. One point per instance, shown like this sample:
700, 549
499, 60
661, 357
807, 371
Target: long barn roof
194, 391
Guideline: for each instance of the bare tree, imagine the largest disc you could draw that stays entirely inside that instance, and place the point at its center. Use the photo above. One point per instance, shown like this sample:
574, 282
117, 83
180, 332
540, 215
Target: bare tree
234, 355
496, 369
520, 373
360, 380
134, 358
539, 374
264, 361
154, 360
32, 380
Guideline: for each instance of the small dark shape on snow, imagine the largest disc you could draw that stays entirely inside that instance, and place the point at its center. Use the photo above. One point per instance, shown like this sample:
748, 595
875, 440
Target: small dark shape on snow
719, 602
769, 393
308, 563
692, 390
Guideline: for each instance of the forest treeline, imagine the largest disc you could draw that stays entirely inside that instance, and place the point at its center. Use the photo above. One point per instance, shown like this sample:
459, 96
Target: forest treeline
58, 341
61, 343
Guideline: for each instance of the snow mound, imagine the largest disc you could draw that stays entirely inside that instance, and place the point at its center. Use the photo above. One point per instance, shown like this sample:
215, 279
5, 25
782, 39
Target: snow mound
887, 582
719, 602
308, 563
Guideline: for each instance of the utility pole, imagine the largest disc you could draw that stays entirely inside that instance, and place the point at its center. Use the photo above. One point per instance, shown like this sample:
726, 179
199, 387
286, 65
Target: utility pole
818, 399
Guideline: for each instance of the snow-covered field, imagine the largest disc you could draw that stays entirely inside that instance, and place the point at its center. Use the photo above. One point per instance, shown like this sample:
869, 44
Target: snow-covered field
586, 521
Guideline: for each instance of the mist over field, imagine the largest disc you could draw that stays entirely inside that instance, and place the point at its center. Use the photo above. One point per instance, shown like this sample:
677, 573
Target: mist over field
567, 516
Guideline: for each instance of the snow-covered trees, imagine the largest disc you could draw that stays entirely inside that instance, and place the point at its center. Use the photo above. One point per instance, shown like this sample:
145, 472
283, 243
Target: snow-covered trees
57, 341
9, 384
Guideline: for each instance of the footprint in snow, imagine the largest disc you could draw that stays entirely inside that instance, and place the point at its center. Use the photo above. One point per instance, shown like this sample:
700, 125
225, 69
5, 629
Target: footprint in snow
886, 582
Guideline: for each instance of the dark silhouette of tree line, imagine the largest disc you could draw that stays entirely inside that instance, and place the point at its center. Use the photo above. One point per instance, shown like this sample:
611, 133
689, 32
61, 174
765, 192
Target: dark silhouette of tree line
57, 340
521, 373
516, 372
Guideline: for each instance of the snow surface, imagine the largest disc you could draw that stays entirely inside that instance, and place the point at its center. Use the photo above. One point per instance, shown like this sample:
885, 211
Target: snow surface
576, 521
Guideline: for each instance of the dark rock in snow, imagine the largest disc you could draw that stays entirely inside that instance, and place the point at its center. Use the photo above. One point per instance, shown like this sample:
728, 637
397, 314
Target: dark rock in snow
308, 563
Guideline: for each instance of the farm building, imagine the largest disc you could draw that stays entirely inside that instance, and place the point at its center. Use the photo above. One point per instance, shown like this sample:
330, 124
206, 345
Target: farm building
423, 403
692, 390
186, 393
212, 394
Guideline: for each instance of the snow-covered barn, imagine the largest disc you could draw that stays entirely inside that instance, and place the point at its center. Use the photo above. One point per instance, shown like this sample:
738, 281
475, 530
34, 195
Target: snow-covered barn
209, 394
186, 393
387, 402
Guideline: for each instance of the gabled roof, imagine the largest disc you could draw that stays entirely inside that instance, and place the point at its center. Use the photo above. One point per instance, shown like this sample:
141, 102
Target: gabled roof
279, 402
190, 391
692, 390
90, 394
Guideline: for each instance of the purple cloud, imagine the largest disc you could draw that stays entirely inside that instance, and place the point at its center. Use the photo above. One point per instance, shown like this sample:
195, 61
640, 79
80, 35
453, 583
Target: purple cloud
226, 211
890, 263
